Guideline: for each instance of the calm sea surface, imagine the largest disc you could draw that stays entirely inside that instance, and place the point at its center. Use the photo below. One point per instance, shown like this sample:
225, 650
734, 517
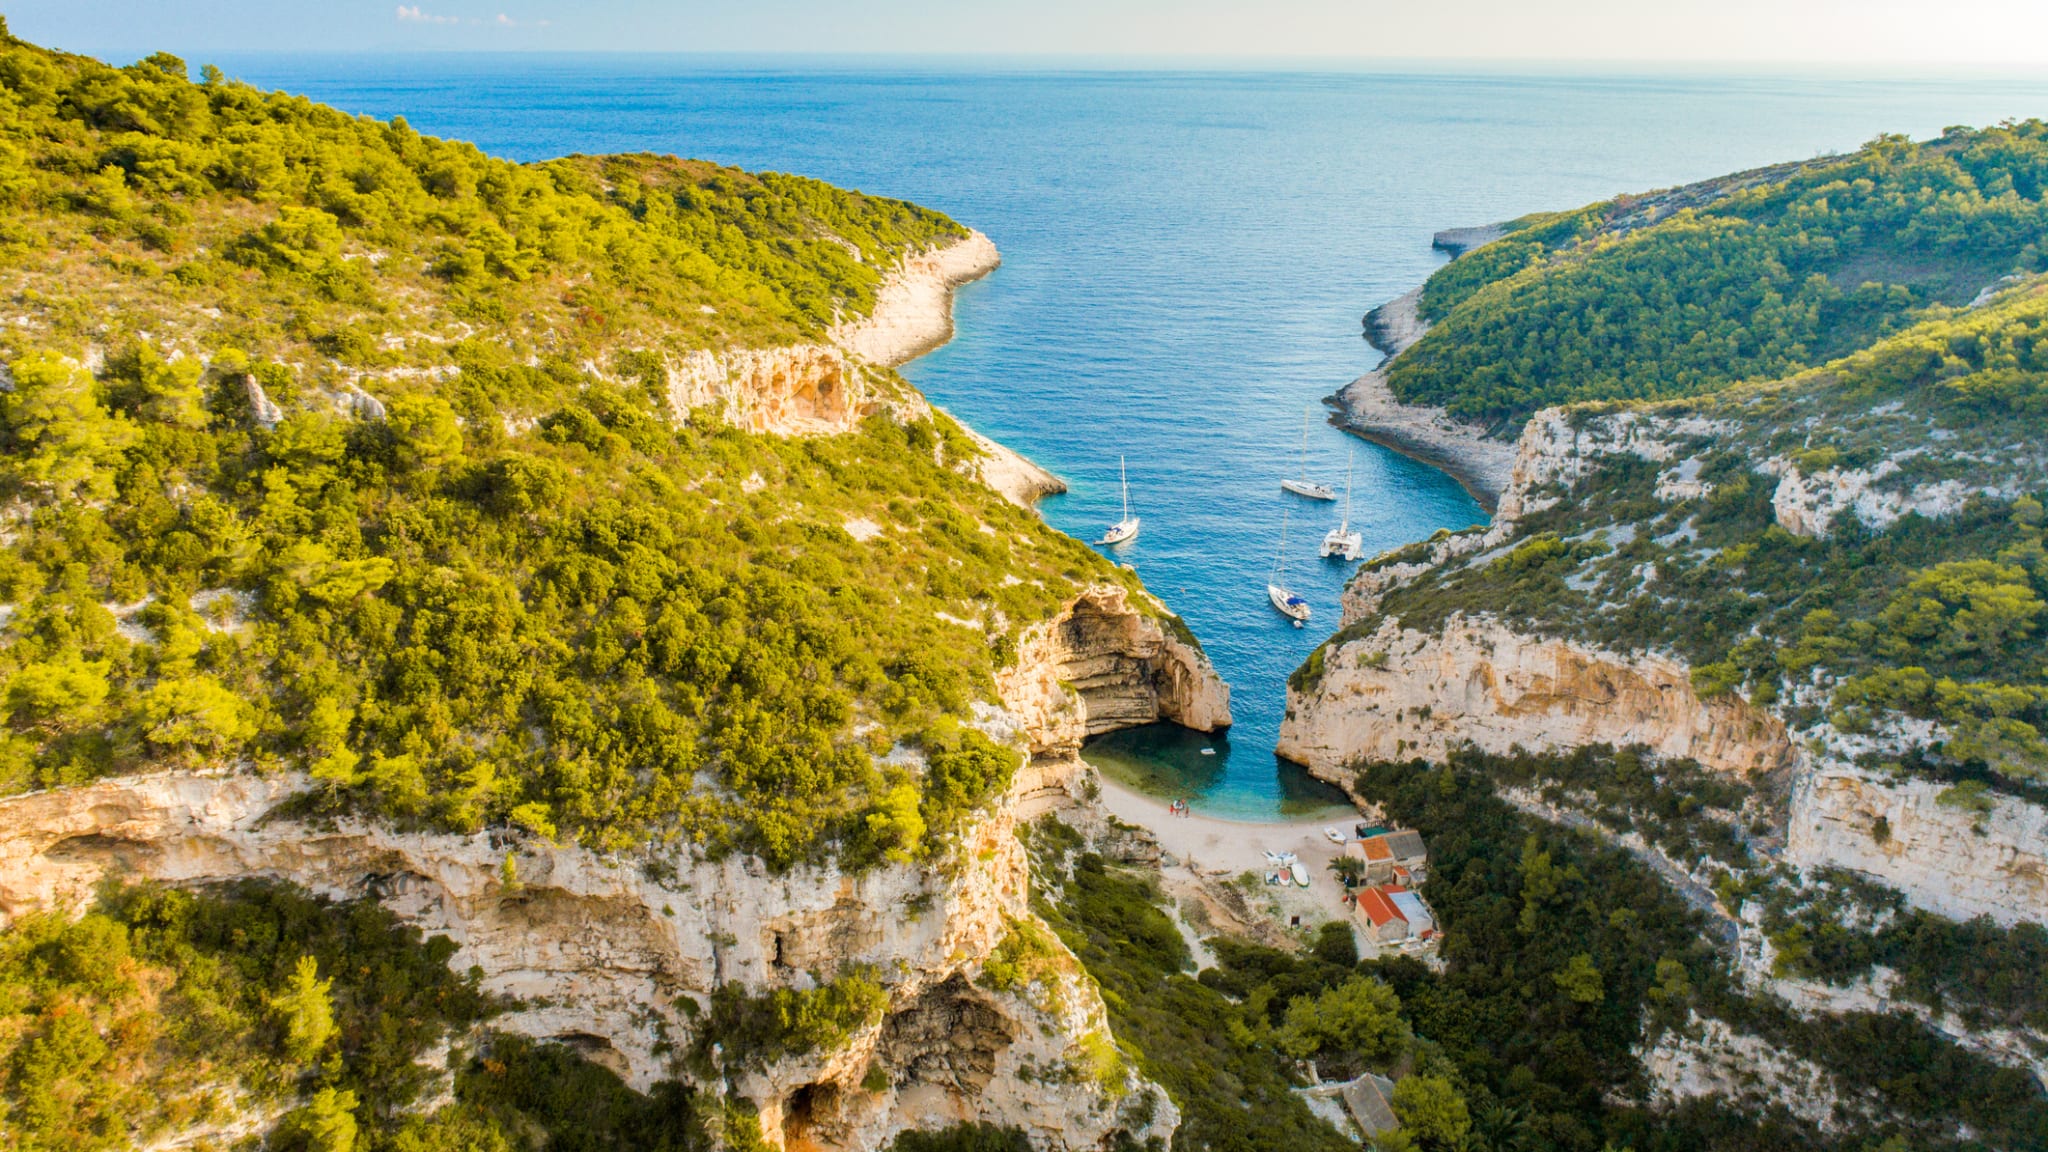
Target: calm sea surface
1186, 258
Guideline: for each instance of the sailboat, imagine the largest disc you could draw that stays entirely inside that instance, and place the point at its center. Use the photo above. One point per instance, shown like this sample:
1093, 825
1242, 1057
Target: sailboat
1126, 528
1305, 486
1289, 605
1341, 541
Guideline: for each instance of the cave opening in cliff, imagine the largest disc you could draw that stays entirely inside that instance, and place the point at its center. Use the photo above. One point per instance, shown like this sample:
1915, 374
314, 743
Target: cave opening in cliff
809, 1109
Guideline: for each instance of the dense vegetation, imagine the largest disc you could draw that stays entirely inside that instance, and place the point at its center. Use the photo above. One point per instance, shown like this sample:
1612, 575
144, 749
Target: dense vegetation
164, 1010
1686, 292
517, 590
1561, 955
1203, 1049
136, 199
1938, 618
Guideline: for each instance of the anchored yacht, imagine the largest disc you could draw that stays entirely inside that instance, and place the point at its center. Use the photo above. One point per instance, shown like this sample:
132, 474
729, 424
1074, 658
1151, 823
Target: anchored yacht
1305, 486
1287, 603
1341, 542
1126, 528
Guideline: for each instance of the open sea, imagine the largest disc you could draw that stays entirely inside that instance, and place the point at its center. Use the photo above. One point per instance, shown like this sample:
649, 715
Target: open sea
1187, 256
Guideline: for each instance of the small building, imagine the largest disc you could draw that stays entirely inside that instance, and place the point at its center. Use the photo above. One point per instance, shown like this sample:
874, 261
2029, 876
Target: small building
1413, 910
1381, 919
1388, 913
1378, 857
1405, 848
1370, 1100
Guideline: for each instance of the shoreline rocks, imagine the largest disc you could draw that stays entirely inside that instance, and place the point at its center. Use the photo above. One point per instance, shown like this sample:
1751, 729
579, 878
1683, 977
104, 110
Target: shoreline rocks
913, 311
1367, 407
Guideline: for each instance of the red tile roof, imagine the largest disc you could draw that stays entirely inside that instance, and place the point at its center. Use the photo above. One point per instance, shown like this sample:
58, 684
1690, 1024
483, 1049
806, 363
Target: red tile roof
1376, 906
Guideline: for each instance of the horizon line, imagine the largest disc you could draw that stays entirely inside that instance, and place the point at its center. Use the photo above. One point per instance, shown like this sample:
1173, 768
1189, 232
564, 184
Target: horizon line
1292, 62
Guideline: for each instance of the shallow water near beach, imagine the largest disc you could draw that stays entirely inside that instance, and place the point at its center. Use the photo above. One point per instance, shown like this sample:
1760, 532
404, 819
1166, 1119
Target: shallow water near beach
1187, 256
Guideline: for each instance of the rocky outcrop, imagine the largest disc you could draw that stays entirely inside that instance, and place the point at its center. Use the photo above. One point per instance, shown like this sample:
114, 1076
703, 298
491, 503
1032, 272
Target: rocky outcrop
1951, 860
1707, 1058
1808, 505
913, 311
1399, 693
1458, 241
1015, 478
601, 951
1102, 665
1367, 407
1396, 325
800, 390
1480, 463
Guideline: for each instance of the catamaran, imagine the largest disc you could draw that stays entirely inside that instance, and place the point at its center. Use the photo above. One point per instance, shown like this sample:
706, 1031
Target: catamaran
1291, 606
1126, 528
1341, 541
1305, 486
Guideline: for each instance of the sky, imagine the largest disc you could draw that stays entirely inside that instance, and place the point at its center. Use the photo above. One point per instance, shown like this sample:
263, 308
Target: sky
1842, 32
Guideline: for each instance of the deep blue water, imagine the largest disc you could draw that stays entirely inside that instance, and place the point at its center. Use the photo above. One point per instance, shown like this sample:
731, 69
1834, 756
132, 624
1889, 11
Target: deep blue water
1186, 260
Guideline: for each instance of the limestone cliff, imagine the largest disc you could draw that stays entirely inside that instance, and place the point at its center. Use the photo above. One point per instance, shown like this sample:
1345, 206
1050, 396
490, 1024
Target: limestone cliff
1382, 689
820, 389
1397, 693
1101, 665
1952, 861
601, 951
806, 389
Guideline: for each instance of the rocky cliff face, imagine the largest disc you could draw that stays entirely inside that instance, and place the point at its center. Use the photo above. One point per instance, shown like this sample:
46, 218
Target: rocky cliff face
802, 390
601, 951
1953, 861
1398, 693
1385, 691
1102, 665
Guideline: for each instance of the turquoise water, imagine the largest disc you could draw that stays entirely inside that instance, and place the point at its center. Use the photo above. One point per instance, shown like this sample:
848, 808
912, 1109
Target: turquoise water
1187, 256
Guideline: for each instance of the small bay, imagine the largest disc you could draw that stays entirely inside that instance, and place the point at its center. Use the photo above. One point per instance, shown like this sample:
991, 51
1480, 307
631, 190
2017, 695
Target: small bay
1187, 255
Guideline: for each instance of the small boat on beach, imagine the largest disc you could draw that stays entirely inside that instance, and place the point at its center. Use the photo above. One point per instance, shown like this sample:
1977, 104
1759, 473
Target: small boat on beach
1335, 836
1305, 486
1300, 873
1285, 602
1342, 542
1127, 528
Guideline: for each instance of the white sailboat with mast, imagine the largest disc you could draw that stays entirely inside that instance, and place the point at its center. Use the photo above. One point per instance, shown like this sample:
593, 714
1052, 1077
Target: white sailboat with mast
1287, 603
1305, 486
1342, 542
1126, 528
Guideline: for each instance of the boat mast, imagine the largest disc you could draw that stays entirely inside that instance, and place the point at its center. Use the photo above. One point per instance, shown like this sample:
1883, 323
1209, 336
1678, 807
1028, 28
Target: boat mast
1349, 462
1280, 555
1304, 445
1125, 478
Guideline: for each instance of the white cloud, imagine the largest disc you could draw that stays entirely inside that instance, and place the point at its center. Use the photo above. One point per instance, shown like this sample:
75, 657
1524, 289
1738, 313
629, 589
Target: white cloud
411, 14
